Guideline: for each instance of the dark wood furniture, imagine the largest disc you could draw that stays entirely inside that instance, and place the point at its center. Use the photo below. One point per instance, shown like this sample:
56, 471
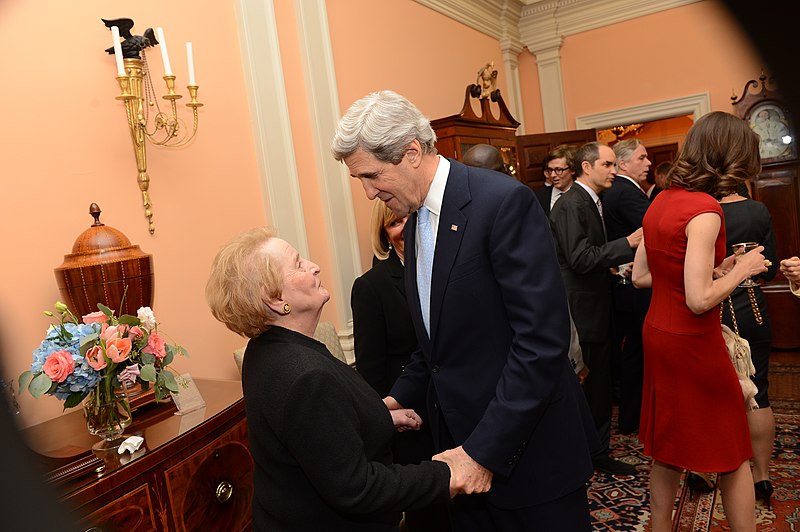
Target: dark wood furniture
193, 471
534, 148
778, 187
457, 133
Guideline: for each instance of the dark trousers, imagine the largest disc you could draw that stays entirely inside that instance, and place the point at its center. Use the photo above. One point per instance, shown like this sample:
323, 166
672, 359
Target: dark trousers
628, 362
597, 389
474, 513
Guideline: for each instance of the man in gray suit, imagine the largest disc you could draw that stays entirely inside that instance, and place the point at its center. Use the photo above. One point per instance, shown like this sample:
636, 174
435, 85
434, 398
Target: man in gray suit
585, 257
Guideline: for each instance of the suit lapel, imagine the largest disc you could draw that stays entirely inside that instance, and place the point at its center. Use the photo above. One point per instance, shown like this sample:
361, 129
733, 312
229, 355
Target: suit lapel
395, 269
452, 224
592, 207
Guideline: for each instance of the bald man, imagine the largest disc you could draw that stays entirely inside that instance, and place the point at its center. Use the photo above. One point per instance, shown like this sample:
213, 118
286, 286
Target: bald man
484, 156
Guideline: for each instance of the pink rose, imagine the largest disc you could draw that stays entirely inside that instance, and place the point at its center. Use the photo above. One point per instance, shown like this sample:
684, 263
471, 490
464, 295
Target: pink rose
59, 366
95, 317
95, 358
129, 374
136, 333
155, 346
118, 349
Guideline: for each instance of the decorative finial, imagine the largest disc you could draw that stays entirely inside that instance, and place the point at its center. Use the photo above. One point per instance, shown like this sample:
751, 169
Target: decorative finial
95, 211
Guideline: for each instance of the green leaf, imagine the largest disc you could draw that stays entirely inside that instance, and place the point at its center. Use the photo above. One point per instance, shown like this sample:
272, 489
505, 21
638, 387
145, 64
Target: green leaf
148, 373
40, 384
170, 355
127, 319
169, 381
74, 399
184, 352
107, 311
148, 358
145, 385
25, 380
89, 338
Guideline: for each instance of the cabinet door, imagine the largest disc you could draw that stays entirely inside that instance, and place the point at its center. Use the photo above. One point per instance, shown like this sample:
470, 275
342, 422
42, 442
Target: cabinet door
213, 488
532, 150
132, 512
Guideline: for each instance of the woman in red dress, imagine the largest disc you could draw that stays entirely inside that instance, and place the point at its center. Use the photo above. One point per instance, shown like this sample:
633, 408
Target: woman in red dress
693, 412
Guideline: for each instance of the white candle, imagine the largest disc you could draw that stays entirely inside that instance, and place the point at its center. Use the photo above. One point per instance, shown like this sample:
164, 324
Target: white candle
117, 50
190, 62
164, 56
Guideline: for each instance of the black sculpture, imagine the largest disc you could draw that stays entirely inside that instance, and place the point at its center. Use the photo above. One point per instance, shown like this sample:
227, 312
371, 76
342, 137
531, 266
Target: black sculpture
132, 44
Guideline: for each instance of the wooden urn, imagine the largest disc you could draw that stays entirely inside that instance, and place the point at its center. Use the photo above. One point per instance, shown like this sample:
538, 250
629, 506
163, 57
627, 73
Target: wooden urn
102, 267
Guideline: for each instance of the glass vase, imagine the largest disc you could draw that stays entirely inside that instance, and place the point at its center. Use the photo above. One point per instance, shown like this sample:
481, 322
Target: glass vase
107, 414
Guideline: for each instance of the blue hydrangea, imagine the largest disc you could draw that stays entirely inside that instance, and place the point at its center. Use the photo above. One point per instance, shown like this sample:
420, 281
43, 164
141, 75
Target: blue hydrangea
84, 378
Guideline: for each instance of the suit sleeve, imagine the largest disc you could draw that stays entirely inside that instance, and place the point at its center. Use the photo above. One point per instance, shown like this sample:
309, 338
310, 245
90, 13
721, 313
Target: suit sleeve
369, 333
324, 434
570, 231
523, 259
632, 208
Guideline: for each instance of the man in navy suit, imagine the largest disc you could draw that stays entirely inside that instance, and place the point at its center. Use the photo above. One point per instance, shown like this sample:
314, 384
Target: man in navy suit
558, 167
585, 256
491, 318
625, 204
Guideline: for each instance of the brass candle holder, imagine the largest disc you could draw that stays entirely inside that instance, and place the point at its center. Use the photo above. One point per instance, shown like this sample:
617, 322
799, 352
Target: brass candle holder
165, 129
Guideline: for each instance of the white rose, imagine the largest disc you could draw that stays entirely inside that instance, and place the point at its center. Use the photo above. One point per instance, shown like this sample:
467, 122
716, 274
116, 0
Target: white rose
146, 317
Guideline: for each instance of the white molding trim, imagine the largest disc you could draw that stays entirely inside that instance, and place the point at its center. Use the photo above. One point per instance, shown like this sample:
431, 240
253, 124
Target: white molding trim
484, 16
272, 129
696, 105
334, 180
554, 111
542, 21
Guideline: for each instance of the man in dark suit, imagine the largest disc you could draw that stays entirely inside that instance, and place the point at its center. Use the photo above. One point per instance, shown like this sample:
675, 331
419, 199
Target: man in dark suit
625, 204
485, 156
491, 317
558, 167
585, 257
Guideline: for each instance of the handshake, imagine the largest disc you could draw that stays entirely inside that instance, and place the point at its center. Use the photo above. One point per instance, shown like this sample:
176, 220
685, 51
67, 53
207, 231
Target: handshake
466, 475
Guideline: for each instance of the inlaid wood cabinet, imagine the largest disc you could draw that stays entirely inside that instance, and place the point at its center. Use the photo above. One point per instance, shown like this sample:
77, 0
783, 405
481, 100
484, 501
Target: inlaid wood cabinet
193, 472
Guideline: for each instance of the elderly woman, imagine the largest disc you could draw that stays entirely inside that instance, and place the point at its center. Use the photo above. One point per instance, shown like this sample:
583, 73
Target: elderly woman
319, 435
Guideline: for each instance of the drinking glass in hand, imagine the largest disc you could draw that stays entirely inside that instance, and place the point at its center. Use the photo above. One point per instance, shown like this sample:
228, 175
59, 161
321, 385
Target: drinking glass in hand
745, 247
623, 271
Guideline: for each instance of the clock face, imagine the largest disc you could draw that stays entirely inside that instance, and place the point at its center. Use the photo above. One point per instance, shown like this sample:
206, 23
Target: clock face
770, 123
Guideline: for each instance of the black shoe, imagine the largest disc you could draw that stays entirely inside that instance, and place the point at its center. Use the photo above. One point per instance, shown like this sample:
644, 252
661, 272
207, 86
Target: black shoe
606, 464
698, 484
764, 491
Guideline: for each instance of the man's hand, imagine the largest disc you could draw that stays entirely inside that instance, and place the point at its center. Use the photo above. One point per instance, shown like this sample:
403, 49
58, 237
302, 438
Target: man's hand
466, 475
405, 419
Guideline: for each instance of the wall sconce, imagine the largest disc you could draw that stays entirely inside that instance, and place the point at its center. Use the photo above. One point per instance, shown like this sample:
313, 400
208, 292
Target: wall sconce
136, 86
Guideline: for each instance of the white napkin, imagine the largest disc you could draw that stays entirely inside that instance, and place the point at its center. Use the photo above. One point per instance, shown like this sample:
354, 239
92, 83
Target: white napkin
131, 444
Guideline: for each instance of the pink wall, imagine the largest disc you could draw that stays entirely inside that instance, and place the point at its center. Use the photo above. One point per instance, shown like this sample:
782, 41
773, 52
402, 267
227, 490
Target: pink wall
66, 144
428, 58
680, 52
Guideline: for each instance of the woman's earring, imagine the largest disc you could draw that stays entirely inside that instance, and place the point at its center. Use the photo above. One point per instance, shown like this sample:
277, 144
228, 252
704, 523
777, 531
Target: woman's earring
287, 308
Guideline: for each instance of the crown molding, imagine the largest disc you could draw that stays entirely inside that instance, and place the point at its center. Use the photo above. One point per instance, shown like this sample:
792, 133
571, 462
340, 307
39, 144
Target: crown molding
544, 24
496, 18
696, 105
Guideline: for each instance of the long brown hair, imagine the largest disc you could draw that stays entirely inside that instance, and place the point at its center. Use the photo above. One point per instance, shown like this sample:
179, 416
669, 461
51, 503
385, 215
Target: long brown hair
719, 154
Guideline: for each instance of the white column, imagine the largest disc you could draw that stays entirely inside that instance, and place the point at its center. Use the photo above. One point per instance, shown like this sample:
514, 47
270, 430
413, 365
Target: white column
552, 90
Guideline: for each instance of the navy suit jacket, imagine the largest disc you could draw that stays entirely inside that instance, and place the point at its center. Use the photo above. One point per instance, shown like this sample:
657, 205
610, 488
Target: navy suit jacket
585, 256
624, 206
495, 369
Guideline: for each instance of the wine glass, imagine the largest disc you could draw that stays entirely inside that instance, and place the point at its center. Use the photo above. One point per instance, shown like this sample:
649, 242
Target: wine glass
622, 271
746, 247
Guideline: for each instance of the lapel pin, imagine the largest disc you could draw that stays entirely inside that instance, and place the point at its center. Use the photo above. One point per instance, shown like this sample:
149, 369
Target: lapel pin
454, 227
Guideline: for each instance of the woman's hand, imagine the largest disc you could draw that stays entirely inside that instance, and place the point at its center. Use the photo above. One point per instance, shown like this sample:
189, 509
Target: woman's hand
752, 262
726, 265
405, 419
790, 268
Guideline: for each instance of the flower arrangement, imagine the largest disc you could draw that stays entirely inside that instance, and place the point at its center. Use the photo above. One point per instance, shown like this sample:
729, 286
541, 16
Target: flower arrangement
100, 353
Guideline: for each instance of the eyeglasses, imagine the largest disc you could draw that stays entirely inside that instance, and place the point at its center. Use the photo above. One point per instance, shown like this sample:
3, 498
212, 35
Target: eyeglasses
556, 170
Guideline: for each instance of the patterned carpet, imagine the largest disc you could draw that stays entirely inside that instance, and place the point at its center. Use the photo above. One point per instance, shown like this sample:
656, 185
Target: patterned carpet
620, 504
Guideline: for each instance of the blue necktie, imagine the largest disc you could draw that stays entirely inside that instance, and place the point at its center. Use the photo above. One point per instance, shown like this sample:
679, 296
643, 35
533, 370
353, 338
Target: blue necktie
425, 264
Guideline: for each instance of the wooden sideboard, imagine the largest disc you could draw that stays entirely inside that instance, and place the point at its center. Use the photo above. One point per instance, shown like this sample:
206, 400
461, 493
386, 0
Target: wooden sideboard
193, 471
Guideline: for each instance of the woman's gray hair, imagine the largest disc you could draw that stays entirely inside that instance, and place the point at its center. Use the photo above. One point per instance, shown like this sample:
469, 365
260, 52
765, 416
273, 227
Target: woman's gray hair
383, 124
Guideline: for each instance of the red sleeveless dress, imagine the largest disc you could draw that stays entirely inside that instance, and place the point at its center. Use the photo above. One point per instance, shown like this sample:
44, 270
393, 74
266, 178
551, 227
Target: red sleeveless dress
693, 412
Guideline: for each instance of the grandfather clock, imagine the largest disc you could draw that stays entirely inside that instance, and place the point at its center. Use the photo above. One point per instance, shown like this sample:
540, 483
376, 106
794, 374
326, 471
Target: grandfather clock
778, 187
